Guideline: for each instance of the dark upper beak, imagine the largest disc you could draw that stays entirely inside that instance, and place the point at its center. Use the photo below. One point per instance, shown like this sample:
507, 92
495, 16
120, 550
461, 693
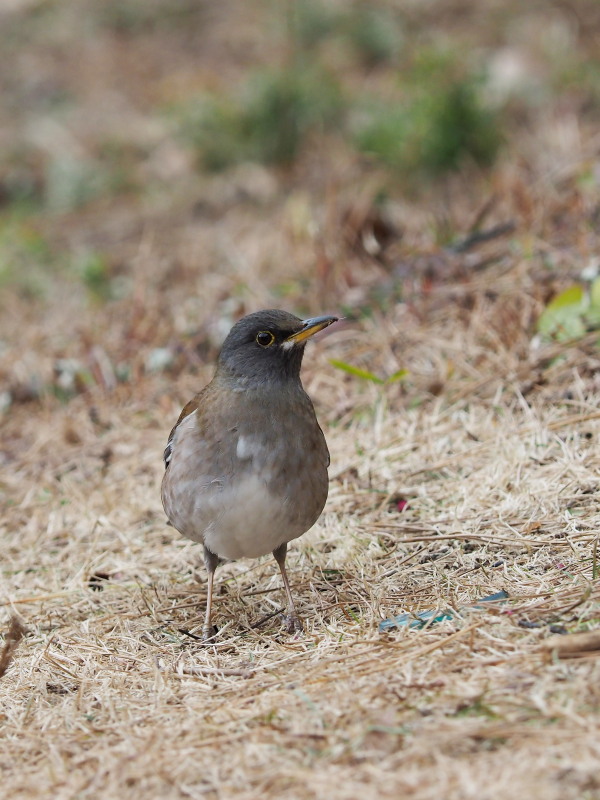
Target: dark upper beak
309, 328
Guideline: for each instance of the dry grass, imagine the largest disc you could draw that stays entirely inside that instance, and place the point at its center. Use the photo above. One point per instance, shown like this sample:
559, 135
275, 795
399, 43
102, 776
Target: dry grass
111, 693
491, 441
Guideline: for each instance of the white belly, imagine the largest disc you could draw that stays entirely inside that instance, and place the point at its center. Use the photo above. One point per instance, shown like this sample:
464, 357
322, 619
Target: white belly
248, 522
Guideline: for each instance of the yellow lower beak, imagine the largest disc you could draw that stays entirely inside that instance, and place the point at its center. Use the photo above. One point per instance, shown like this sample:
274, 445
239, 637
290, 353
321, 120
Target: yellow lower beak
309, 328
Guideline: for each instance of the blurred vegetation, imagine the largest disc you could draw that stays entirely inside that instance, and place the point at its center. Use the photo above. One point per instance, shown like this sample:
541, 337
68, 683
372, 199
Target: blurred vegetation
27, 260
374, 33
572, 313
371, 30
442, 121
95, 273
132, 101
133, 17
269, 123
396, 84
438, 119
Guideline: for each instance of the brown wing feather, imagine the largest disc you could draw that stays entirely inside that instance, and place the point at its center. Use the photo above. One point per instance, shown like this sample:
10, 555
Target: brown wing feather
188, 409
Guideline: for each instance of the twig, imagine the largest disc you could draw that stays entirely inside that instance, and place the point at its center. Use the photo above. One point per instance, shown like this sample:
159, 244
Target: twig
479, 237
226, 671
40, 598
266, 618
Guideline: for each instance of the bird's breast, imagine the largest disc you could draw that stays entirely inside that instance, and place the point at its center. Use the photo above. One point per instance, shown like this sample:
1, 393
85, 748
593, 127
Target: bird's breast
245, 494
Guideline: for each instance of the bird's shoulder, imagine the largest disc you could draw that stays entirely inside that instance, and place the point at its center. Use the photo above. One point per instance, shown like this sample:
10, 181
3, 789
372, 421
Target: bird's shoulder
245, 424
189, 408
203, 417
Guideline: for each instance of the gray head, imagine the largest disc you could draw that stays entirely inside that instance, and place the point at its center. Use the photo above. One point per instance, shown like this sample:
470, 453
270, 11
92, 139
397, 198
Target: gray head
268, 346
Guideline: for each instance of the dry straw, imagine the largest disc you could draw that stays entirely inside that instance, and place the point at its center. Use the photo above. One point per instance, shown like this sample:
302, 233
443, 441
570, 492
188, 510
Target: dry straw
477, 473
112, 692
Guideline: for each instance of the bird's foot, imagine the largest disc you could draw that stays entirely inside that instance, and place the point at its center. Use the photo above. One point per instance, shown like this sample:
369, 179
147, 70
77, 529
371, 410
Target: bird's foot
209, 632
293, 623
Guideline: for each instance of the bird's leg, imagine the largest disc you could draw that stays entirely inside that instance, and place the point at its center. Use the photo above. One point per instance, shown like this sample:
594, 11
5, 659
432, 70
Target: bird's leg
293, 623
211, 562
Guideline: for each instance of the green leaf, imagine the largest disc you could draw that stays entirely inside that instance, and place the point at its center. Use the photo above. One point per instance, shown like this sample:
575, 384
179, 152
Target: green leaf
562, 318
572, 296
356, 371
397, 376
595, 294
592, 318
563, 324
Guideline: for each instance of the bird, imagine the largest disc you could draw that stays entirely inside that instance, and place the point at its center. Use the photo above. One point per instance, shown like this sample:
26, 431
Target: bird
246, 462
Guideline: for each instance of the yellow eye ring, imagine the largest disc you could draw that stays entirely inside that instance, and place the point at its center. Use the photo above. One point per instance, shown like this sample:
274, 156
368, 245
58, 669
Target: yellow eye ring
265, 338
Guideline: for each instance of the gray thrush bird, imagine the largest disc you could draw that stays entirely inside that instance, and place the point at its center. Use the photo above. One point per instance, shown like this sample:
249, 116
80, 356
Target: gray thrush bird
246, 463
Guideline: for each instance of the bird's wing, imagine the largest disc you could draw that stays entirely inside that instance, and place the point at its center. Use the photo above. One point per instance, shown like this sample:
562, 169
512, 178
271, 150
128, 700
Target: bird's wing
188, 409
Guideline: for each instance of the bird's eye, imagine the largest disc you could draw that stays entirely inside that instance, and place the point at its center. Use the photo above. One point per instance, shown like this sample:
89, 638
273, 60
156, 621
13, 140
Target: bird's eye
265, 338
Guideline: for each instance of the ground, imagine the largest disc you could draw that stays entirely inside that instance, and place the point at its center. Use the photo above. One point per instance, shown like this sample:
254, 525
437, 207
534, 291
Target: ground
463, 430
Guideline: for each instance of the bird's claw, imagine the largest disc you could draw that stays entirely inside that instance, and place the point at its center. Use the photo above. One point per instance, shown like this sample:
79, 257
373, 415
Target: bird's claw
293, 624
209, 633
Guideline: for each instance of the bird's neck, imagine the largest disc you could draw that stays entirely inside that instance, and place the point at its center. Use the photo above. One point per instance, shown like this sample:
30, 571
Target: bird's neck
276, 381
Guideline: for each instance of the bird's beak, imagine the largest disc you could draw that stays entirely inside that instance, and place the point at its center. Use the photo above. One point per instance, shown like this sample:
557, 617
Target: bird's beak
309, 328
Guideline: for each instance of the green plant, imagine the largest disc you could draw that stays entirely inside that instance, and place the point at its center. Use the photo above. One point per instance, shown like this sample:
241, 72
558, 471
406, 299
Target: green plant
133, 17
20, 184
374, 33
571, 313
72, 182
269, 123
384, 134
441, 121
455, 123
95, 274
365, 375
310, 22
26, 260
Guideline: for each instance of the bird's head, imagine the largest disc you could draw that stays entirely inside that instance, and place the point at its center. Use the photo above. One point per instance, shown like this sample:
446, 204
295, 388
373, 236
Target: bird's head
268, 346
